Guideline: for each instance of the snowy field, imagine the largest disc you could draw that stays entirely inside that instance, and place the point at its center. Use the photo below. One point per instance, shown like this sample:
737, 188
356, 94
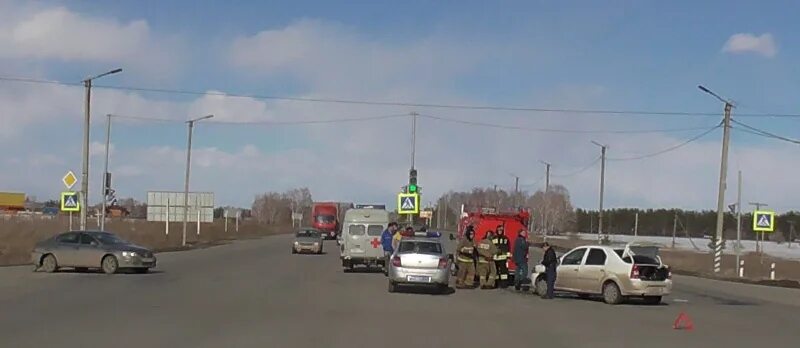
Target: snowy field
701, 244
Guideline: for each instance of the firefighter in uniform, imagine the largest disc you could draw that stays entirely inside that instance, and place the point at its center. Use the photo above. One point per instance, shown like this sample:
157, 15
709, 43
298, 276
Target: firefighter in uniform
465, 260
486, 268
501, 257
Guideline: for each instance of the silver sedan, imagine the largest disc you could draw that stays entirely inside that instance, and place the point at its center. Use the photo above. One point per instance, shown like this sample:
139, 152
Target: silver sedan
83, 250
419, 261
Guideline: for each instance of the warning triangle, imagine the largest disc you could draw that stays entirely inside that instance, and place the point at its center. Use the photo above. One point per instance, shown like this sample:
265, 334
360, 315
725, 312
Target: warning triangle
408, 203
763, 221
71, 202
683, 322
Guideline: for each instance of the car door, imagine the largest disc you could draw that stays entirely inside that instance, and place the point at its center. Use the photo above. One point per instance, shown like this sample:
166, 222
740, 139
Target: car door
66, 249
89, 251
373, 246
593, 271
356, 240
567, 271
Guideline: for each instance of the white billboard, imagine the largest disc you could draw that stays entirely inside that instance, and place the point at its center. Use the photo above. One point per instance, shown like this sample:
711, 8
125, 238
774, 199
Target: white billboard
158, 201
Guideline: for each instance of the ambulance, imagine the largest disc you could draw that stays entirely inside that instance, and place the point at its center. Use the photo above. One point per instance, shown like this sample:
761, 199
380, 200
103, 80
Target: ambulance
361, 238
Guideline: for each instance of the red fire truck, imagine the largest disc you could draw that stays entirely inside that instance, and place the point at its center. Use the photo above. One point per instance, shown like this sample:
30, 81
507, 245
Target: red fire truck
485, 220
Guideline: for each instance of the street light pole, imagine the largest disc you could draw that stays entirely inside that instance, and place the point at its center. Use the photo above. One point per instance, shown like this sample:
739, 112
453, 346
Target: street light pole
602, 187
723, 173
186, 179
87, 84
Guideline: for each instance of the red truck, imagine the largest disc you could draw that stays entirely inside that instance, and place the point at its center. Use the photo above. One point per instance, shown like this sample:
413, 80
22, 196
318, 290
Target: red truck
325, 216
484, 222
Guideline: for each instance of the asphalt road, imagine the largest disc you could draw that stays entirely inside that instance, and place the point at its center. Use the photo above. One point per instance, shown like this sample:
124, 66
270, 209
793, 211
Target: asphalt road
256, 294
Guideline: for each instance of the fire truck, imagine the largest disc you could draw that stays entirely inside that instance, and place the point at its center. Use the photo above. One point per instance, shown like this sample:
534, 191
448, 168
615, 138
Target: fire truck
485, 219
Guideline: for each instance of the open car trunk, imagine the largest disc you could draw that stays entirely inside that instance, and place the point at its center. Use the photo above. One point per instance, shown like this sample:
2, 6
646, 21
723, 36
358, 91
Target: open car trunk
646, 260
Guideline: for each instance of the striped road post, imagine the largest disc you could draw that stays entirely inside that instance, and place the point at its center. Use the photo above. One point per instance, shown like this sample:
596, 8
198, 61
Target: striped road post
718, 255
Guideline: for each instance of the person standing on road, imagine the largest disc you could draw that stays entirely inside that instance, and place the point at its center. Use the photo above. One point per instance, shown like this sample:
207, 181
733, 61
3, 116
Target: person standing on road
520, 258
398, 235
465, 260
486, 268
501, 257
550, 262
387, 242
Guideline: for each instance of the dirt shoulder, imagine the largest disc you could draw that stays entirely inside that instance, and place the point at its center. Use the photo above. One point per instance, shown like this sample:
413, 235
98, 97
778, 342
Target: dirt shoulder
17, 237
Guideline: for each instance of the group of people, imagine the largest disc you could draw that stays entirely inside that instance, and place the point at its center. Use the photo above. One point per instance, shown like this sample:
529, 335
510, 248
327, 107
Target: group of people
487, 257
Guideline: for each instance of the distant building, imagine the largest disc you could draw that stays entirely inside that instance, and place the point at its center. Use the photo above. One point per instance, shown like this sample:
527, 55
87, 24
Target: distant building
12, 201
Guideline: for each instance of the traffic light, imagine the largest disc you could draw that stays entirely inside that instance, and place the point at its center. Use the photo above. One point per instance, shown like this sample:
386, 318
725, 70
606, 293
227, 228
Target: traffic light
412, 181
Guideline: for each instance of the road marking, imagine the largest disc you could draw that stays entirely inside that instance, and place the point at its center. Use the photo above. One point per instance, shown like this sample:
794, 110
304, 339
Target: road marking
680, 300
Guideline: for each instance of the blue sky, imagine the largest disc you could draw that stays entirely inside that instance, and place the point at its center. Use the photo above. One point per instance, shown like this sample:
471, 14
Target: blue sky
625, 55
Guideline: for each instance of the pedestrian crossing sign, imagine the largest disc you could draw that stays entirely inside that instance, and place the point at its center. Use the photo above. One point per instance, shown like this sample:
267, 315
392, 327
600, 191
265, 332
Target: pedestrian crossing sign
763, 221
70, 202
408, 203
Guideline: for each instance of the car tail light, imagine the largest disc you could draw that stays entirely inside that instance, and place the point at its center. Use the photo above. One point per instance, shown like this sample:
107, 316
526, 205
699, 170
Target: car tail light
443, 263
396, 261
635, 272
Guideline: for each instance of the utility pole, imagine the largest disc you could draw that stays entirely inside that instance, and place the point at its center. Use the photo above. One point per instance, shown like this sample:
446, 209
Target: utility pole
546, 196
602, 187
636, 226
413, 137
791, 233
738, 221
84, 197
106, 181
186, 180
674, 228
723, 172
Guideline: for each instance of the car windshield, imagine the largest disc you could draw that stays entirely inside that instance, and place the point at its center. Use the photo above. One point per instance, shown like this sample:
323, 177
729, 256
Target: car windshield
308, 233
108, 238
326, 219
415, 247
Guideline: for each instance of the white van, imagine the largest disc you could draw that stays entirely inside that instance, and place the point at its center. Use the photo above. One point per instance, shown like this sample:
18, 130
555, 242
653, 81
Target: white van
361, 237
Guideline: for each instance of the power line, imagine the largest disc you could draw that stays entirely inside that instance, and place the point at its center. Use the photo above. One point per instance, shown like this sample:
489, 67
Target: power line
271, 123
403, 104
554, 130
763, 133
671, 148
585, 168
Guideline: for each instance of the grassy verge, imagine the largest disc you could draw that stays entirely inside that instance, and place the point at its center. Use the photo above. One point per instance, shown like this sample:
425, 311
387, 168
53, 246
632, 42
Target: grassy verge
18, 236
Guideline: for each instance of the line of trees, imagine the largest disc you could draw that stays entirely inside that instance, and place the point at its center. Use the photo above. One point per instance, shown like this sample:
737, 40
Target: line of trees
554, 207
277, 207
660, 222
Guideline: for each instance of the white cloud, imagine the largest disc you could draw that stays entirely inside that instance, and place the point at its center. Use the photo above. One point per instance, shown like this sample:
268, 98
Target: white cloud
763, 44
63, 35
333, 57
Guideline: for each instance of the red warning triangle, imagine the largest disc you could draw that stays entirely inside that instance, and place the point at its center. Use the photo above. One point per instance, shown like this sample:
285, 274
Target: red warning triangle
683, 322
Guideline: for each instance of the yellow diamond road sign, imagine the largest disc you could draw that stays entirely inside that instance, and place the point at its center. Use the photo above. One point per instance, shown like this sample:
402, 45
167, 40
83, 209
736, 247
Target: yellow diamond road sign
69, 180
70, 202
408, 203
763, 221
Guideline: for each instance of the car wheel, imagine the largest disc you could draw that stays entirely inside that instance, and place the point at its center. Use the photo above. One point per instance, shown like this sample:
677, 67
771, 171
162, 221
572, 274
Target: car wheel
81, 269
49, 263
392, 287
442, 289
541, 287
294, 251
652, 300
611, 293
110, 264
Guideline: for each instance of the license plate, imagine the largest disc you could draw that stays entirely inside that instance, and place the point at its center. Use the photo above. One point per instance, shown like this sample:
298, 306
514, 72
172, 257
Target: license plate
419, 279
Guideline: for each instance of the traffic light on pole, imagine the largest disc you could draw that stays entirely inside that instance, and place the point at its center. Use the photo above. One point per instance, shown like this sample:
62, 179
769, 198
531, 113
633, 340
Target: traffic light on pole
412, 181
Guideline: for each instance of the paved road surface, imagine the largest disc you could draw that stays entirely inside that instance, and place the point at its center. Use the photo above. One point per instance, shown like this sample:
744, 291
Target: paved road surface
256, 294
